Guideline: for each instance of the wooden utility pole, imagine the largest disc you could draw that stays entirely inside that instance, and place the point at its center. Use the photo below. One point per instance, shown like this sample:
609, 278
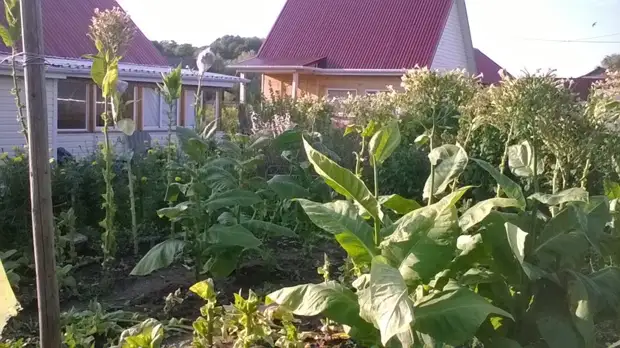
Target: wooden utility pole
40, 178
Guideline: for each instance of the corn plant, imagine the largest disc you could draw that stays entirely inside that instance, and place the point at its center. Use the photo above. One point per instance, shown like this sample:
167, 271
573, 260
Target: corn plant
214, 208
111, 31
406, 298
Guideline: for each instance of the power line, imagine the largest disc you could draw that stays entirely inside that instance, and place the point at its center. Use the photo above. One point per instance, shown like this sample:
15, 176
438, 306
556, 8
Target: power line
571, 41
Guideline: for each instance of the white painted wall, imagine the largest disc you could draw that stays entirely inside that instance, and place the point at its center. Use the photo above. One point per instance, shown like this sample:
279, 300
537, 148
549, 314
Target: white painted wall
10, 135
451, 51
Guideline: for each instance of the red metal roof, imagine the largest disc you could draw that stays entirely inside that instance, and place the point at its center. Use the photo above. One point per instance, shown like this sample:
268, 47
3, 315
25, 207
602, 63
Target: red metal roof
358, 34
488, 68
65, 25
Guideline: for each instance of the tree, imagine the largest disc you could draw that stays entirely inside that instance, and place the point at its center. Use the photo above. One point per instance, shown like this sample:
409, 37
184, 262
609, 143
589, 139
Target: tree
612, 62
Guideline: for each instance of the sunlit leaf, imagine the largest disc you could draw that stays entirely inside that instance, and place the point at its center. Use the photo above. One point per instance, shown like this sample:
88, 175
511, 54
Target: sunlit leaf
454, 316
160, 256
571, 195
8, 303
509, 187
126, 125
341, 219
449, 162
383, 143
481, 210
344, 181
399, 204
391, 307
521, 160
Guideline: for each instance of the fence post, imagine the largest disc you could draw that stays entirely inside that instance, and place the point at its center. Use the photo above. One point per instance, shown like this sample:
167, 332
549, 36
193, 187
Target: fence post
40, 177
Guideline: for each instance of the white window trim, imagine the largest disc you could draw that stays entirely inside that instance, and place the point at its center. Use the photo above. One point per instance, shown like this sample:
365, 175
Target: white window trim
162, 126
375, 91
112, 128
86, 117
341, 89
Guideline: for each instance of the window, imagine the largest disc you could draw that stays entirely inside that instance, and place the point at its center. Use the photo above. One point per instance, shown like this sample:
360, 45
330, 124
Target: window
127, 111
73, 104
155, 109
374, 91
340, 93
190, 105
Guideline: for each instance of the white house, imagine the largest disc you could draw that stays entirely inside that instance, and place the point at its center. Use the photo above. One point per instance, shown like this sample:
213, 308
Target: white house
74, 103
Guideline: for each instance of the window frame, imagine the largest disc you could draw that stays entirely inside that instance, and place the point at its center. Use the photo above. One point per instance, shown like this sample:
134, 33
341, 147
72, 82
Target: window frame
162, 102
374, 91
96, 94
89, 108
327, 90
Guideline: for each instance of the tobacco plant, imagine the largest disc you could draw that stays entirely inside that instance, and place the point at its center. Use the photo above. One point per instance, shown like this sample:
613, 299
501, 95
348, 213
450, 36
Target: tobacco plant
247, 322
211, 315
9, 305
214, 208
404, 300
170, 88
111, 31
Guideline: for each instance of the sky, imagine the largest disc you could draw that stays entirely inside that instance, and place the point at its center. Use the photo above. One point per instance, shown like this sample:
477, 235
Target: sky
518, 34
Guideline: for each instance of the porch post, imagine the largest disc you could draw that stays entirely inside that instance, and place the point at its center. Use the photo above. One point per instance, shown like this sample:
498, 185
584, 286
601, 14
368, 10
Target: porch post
295, 84
218, 109
242, 89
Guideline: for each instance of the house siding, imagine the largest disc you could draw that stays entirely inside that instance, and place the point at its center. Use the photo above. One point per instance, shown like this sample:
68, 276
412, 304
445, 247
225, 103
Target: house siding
451, 52
10, 134
317, 86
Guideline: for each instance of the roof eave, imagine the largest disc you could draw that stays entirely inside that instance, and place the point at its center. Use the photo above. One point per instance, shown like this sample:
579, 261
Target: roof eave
317, 71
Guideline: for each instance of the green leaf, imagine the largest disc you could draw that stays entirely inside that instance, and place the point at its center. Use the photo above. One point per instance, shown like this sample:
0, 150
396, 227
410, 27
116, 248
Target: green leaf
191, 143
341, 219
553, 319
582, 295
612, 189
391, 307
510, 188
520, 160
126, 125
268, 227
109, 81
422, 139
235, 235
160, 256
422, 242
241, 198
454, 316
383, 143
286, 187
260, 143
449, 162
399, 204
173, 212
607, 282
516, 239
6, 37
97, 70
343, 181
205, 289
570, 195
329, 299
481, 210
222, 264
8, 303
287, 139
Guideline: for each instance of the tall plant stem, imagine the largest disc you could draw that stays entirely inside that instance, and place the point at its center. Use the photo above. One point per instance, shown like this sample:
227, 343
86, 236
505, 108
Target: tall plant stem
432, 178
132, 203
377, 222
358, 159
109, 193
18, 101
169, 151
584, 175
502, 163
554, 182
